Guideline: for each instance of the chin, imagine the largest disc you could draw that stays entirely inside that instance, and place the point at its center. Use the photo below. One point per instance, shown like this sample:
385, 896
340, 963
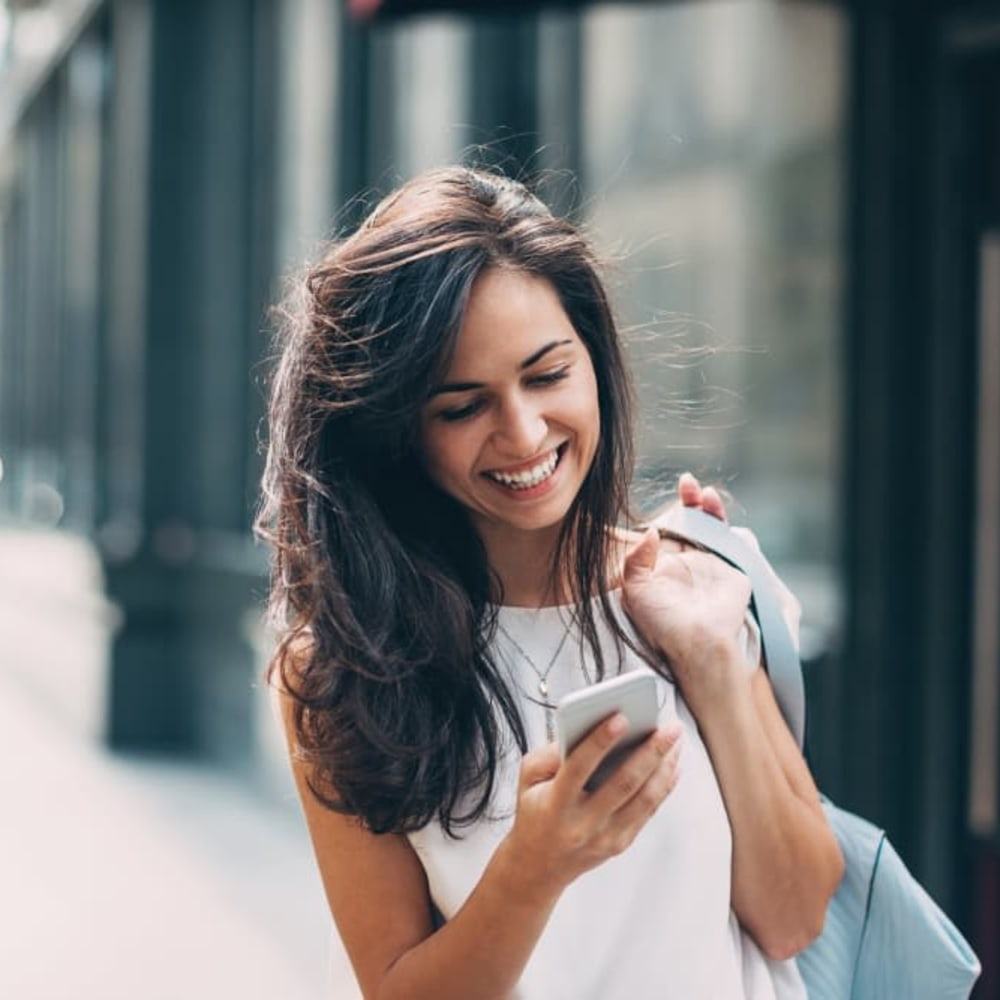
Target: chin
528, 521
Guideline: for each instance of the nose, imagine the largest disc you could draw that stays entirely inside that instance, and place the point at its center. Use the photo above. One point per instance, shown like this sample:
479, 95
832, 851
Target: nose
521, 429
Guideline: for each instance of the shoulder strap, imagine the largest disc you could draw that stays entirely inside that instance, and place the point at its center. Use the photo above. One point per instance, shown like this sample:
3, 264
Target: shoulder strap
693, 525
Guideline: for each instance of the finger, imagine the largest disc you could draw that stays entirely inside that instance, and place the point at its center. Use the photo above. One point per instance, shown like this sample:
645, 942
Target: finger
689, 490
634, 815
589, 752
642, 559
539, 765
631, 776
711, 503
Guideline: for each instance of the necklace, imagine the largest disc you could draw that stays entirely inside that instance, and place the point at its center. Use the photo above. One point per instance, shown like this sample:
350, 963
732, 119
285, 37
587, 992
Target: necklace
542, 675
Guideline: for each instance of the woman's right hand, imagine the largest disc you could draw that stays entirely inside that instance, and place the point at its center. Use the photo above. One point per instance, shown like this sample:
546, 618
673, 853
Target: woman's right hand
561, 830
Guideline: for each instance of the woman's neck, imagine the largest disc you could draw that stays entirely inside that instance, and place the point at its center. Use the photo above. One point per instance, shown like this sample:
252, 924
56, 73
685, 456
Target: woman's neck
522, 562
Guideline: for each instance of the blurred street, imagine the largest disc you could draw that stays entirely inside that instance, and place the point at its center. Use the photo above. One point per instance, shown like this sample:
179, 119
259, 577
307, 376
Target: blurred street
131, 878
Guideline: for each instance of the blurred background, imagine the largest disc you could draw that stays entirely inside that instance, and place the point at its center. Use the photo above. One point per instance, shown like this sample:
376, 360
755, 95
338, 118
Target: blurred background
802, 201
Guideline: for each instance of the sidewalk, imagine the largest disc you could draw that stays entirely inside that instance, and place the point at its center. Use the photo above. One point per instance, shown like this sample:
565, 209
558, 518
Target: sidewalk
123, 878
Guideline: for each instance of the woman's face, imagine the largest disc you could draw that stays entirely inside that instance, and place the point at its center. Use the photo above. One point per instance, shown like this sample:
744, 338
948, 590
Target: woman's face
512, 430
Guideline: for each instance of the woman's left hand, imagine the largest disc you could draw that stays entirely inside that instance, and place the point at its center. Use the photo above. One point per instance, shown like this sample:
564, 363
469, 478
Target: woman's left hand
691, 493
690, 606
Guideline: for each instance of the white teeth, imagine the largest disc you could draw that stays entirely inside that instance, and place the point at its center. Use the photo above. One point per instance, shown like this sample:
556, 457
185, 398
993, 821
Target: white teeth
530, 477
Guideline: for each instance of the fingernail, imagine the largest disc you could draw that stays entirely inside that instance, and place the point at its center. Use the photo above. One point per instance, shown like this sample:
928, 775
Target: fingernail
617, 724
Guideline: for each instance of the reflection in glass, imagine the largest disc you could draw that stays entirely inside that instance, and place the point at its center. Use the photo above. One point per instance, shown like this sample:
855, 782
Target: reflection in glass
713, 161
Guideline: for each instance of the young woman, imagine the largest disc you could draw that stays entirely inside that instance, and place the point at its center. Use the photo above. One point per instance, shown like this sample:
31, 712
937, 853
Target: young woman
446, 494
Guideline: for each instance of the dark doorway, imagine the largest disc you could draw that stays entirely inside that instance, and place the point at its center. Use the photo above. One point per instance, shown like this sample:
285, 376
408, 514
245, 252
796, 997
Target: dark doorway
980, 94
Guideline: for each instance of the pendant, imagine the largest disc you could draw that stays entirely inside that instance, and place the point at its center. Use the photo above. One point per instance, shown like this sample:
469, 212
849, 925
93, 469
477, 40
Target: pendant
550, 727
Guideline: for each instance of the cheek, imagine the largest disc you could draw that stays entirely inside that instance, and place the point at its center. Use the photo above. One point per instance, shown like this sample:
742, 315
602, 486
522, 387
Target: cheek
589, 428
443, 455
430, 459
427, 451
588, 411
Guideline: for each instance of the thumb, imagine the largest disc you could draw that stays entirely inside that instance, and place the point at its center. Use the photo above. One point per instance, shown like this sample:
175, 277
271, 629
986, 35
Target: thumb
642, 559
539, 765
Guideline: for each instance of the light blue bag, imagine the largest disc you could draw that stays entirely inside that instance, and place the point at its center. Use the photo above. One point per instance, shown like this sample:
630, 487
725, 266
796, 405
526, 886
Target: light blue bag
884, 938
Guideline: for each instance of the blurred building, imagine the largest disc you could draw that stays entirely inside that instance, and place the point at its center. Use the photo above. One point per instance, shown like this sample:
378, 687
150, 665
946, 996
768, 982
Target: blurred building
804, 203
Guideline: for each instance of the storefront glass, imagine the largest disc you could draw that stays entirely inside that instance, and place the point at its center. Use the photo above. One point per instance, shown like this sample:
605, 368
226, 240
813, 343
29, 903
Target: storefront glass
712, 165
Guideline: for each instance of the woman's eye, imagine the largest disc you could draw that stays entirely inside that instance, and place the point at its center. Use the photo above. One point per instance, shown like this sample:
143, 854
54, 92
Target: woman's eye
550, 378
461, 412
471, 409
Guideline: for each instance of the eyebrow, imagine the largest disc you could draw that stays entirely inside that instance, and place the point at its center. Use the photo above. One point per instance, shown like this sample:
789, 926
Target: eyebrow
526, 363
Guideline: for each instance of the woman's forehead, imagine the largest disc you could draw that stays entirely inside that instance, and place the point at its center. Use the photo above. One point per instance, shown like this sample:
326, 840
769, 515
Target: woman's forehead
510, 316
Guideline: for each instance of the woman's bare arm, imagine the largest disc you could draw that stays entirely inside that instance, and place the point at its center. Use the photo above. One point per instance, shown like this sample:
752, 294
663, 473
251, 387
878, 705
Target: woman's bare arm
786, 861
378, 894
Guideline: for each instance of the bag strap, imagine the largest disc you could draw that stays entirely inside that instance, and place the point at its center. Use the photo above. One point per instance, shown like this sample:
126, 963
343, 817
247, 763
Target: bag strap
690, 524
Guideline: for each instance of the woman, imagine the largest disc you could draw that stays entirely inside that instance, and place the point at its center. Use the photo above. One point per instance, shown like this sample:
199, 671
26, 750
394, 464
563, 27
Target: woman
446, 493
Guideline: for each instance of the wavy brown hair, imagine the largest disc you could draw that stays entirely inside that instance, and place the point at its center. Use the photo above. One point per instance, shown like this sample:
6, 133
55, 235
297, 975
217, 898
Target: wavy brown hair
380, 585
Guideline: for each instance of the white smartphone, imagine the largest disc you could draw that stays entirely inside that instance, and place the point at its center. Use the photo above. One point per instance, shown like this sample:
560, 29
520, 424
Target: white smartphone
633, 694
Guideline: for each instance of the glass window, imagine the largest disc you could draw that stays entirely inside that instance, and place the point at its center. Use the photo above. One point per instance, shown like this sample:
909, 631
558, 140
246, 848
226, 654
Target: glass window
715, 175
411, 78
307, 131
430, 93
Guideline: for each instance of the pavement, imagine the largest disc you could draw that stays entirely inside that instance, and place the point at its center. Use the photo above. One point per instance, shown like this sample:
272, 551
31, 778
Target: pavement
126, 877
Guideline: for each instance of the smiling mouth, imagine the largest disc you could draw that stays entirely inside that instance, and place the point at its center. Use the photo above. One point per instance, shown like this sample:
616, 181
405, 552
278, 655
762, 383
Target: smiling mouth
529, 478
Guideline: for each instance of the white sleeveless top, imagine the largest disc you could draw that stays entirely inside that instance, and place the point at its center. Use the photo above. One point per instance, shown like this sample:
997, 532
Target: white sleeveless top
654, 922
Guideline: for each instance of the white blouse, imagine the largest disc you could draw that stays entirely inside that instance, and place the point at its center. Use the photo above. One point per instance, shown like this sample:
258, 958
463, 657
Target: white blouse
654, 922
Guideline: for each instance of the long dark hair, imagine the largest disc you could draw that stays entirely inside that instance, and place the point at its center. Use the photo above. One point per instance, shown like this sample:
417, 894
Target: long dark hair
380, 585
